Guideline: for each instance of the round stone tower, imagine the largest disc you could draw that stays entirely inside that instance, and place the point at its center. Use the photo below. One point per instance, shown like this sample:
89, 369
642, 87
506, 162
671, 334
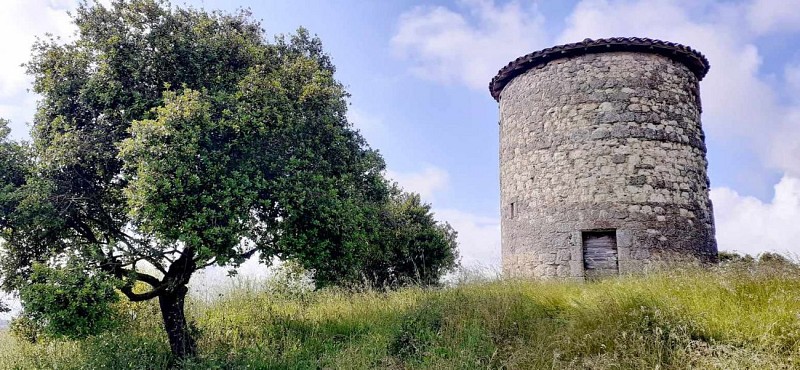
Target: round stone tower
602, 159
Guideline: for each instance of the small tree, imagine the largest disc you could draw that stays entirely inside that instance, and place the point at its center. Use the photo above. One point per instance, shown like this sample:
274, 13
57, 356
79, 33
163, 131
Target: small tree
402, 245
170, 139
410, 246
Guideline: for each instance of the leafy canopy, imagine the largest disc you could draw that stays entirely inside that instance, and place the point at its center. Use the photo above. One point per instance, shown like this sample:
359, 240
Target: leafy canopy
86, 311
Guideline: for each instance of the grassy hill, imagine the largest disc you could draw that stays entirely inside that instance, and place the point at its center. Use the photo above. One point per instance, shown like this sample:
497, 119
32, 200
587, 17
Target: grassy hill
741, 316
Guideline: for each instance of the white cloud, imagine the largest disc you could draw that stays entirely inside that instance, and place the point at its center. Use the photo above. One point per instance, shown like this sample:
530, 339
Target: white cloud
426, 182
18, 108
371, 127
766, 16
20, 23
748, 225
478, 237
449, 46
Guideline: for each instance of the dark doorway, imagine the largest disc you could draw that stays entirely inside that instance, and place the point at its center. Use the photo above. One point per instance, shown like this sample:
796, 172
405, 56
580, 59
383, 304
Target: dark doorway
600, 254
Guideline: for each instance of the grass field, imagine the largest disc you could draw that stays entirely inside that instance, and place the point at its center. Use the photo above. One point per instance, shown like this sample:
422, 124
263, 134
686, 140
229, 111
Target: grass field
743, 316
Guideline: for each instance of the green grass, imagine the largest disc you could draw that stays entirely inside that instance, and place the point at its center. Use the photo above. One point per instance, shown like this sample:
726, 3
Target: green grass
738, 317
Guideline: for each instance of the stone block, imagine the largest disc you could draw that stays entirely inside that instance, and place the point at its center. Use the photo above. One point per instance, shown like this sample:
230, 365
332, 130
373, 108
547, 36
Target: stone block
576, 268
623, 253
624, 238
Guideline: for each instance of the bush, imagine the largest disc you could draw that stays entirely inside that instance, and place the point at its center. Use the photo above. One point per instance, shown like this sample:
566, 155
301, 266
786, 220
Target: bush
69, 301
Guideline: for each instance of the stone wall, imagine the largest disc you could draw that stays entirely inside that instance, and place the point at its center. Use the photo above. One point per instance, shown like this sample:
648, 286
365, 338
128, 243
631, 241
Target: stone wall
597, 142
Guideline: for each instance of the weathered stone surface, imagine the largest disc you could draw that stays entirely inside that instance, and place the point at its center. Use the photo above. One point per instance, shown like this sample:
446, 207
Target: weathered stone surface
597, 142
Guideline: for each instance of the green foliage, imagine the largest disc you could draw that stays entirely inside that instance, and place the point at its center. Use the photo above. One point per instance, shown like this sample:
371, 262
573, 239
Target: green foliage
14, 165
68, 301
411, 246
775, 260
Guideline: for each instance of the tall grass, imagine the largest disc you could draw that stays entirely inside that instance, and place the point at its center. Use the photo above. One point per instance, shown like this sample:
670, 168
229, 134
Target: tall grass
743, 316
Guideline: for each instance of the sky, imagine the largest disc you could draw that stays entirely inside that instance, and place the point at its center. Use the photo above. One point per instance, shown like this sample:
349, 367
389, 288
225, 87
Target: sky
418, 73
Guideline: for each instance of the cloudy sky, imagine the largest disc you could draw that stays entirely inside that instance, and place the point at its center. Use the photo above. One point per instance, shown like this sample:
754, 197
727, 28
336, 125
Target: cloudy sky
418, 73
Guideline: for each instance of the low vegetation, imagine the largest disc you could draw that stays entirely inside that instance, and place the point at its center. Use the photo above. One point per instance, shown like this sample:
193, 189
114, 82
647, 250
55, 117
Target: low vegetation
742, 315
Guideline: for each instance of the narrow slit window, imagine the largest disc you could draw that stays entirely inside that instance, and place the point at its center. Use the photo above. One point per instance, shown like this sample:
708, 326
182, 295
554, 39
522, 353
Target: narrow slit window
512, 210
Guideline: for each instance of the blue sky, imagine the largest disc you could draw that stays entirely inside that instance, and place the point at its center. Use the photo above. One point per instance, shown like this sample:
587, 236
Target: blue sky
418, 74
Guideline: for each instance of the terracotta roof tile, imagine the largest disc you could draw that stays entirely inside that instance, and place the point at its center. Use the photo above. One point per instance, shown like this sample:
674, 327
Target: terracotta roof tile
694, 60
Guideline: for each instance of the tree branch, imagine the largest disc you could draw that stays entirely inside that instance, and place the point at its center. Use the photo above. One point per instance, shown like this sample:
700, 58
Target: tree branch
182, 269
138, 297
115, 268
153, 261
145, 278
210, 262
248, 254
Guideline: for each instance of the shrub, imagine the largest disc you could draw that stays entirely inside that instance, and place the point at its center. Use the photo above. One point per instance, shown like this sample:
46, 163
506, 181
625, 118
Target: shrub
69, 301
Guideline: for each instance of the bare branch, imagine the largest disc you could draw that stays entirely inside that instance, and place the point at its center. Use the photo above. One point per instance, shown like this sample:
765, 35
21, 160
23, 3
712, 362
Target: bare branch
115, 268
145, 278
210, 262
138, 297
248, 254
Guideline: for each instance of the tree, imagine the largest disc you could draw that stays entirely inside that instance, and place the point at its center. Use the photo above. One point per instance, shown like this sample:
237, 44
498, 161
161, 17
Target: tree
177, 139
403, 245
168, 140
13, 161
397, 243
14, 164
409, 246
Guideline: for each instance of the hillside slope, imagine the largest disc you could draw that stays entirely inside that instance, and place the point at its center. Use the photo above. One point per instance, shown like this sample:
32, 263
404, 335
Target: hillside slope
741, 316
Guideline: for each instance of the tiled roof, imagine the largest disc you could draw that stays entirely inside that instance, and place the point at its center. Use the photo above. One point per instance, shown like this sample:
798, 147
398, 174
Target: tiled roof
693, 59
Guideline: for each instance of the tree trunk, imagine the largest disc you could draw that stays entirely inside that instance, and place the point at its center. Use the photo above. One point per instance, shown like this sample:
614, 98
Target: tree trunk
180, 338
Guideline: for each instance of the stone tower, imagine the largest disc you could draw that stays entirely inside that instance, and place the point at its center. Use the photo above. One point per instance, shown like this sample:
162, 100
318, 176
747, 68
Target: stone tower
602, 159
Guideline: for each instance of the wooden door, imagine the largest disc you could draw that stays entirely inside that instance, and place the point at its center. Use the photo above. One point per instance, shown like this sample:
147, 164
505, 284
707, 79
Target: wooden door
600, 254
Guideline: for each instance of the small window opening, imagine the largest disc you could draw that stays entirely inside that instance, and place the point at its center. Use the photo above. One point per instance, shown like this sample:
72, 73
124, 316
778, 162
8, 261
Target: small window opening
512, 209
